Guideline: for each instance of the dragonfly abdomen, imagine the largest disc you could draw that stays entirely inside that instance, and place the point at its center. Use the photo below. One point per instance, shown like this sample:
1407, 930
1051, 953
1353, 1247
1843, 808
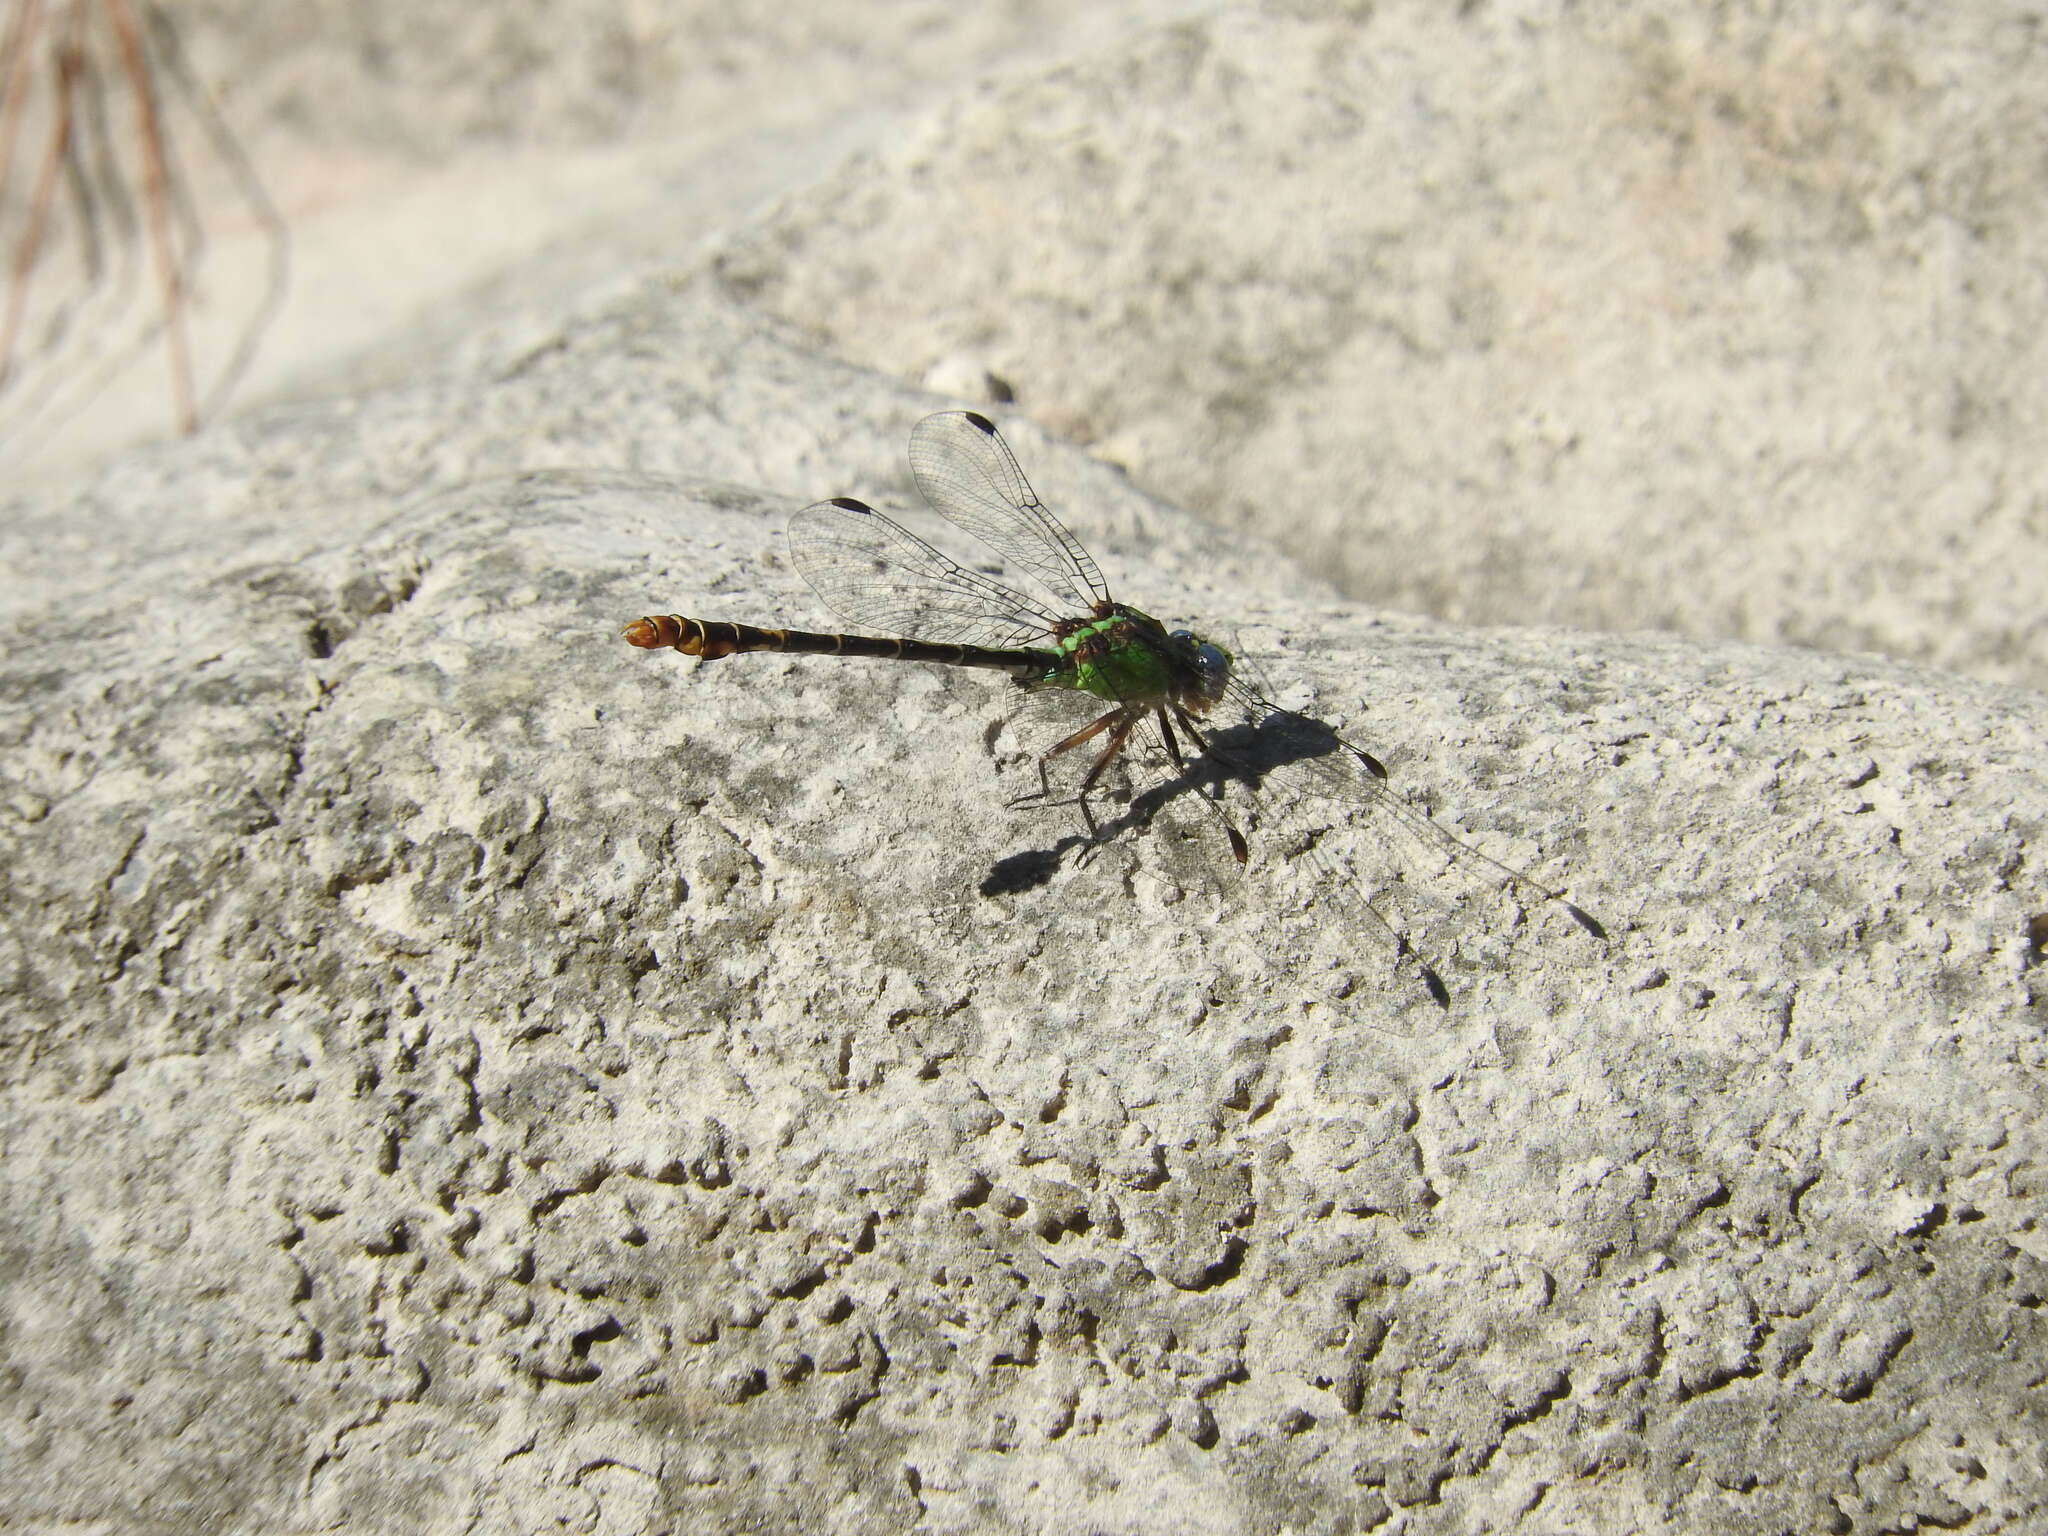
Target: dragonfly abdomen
712, 639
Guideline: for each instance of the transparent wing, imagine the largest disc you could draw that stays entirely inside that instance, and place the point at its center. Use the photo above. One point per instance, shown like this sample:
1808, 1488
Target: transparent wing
878, 575
1282, 749
968, 474
1426, 891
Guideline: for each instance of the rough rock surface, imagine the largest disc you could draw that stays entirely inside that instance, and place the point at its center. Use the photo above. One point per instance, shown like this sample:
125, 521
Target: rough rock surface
462, 1069
459, 1072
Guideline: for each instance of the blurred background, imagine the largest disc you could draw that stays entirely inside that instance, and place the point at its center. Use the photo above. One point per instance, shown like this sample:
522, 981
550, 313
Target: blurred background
303, 198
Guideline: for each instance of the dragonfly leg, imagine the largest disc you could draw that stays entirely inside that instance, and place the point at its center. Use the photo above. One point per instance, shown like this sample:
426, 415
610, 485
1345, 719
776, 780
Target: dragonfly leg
1118, 722
1172, 741
1086, 734
1122, 723
1239, 848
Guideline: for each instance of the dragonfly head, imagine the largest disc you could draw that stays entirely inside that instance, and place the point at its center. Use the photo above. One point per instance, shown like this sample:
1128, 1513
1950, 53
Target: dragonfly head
1210, 664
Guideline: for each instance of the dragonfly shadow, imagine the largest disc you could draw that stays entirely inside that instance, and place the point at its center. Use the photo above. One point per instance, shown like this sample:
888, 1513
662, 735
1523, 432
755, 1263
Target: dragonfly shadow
1030, 868
1282, 739
1244, 755
1016, 873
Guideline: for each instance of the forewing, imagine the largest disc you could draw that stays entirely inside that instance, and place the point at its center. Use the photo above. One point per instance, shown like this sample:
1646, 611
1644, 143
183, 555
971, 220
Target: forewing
881, 577
1302, 754
1434, 895
968, 474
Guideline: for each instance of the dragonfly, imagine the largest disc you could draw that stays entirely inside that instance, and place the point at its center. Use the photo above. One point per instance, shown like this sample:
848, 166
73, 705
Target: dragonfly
1070, 635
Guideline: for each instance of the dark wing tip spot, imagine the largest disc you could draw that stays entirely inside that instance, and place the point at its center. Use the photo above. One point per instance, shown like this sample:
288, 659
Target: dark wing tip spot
848, 504
976, 419
1238, 846
1373, 765
1584, 919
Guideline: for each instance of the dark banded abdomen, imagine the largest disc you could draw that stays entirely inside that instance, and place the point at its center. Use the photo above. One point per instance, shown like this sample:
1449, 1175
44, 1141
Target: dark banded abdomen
712, 639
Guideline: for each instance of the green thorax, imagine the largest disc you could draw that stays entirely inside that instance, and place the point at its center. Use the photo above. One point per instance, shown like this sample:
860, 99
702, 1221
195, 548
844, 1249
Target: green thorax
1119, 655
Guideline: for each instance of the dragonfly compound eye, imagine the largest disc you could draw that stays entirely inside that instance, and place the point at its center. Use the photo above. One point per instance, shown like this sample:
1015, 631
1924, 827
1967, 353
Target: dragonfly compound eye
1211, 662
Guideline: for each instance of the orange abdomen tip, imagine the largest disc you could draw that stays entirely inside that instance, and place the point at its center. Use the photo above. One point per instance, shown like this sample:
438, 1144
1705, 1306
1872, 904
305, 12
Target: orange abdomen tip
653, 633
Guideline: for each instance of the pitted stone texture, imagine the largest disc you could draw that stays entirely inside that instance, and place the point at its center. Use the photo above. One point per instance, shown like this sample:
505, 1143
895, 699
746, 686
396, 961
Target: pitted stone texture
460, 1067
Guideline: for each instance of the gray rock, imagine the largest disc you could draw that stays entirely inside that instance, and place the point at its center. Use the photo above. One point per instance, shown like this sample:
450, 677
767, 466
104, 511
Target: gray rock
460, 1063
459, 1070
